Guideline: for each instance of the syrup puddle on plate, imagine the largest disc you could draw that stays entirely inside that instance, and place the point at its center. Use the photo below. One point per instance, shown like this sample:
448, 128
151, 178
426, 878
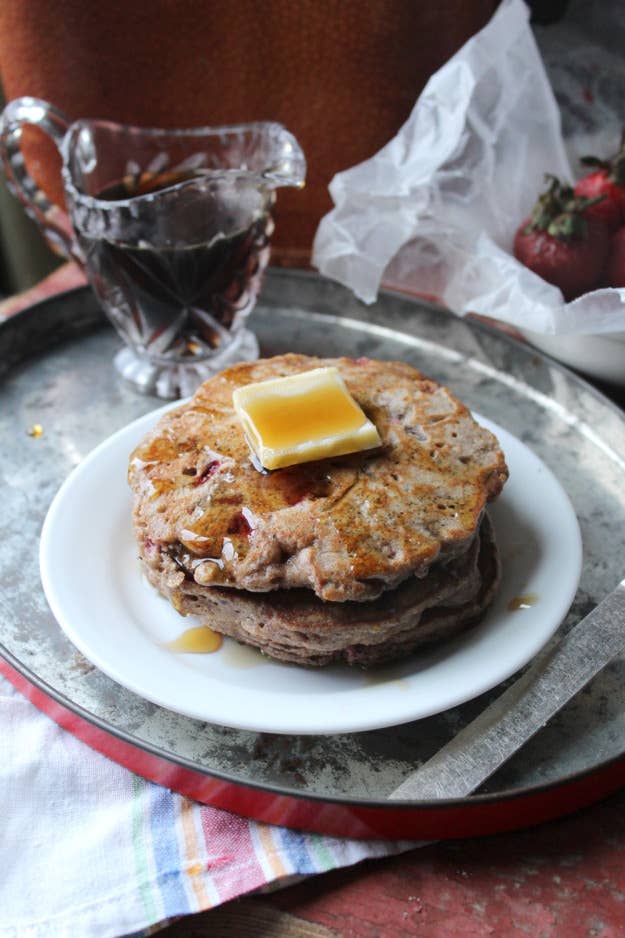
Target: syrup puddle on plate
525, 601
202, 640
198, 640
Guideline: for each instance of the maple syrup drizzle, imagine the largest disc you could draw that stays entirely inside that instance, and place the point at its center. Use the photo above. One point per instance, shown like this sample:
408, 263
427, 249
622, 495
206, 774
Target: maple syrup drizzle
525, 601
198, 640
295, 483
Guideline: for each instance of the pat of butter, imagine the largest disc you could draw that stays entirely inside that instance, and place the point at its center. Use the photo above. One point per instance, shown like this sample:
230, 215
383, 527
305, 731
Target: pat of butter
302, 417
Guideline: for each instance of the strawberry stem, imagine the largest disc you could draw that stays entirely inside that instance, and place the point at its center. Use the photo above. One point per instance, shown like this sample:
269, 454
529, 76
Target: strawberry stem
559, 212
614, 167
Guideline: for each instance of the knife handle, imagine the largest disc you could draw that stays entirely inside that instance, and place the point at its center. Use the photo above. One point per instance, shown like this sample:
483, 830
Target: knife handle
559, 672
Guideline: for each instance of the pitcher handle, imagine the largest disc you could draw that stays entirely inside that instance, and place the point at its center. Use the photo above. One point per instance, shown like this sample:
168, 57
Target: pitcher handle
54, 223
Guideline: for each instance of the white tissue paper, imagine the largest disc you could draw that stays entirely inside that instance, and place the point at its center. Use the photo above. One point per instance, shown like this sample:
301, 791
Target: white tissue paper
437, 208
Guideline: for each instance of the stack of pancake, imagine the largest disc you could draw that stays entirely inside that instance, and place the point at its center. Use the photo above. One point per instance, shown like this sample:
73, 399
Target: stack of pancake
360, 558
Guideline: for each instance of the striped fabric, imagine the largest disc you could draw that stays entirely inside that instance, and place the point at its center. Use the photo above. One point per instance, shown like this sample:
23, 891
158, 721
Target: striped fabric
89, 849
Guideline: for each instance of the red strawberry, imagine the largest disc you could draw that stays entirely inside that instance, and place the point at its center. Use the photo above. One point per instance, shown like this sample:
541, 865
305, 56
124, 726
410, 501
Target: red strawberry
615, 271
608, 180
561, 244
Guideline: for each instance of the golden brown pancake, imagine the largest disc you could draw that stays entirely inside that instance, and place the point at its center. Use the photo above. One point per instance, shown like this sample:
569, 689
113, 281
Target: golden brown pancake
349, 528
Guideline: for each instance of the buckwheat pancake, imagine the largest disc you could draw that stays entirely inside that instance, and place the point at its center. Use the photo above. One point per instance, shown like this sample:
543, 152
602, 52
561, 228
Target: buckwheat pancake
347, 529
297, 627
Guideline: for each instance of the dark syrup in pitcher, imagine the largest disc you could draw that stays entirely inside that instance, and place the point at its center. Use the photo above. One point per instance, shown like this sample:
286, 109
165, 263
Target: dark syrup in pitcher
181, 300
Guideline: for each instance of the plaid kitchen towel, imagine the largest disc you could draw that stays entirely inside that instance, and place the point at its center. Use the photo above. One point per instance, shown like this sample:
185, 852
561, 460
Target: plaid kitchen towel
89, 849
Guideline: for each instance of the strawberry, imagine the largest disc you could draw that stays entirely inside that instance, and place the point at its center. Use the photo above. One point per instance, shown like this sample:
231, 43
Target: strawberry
561, 243
615, 271
608, 180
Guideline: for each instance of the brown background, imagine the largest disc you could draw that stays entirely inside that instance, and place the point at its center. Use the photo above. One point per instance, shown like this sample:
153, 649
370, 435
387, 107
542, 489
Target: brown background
342, 75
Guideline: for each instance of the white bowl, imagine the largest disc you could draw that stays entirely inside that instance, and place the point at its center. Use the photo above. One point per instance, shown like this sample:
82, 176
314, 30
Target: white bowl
597, 356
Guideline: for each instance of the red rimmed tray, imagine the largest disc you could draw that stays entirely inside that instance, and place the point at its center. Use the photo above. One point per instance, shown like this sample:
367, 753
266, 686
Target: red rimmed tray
337, 784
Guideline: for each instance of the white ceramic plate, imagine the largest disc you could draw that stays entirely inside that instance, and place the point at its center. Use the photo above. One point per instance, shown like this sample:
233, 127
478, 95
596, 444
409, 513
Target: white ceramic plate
95, 587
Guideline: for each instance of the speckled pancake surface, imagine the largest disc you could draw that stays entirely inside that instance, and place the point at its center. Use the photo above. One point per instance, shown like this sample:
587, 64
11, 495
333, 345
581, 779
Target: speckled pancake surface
347, 528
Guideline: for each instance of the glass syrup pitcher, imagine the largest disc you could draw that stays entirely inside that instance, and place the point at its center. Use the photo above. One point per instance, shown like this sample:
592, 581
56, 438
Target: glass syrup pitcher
172, 228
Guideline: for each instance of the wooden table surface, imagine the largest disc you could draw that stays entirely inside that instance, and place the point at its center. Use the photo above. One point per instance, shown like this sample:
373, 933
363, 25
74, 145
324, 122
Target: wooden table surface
563, 879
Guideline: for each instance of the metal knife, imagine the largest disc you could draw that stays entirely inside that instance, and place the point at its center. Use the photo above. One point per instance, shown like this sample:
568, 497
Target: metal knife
559, 672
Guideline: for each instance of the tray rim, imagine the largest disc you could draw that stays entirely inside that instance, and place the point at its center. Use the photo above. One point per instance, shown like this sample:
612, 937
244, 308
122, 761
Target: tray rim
504, 795
98, 320
16, 321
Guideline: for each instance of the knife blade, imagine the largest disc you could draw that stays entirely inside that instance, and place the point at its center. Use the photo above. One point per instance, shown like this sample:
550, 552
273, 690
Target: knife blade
556, 675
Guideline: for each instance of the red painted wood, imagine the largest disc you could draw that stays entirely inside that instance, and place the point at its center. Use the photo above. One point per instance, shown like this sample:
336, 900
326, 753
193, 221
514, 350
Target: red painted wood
474, 817
565, 879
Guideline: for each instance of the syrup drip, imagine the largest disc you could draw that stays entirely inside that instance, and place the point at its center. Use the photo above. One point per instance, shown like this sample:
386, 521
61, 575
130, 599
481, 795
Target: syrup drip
198, 640
239, 524
525, 601
160, 449
292, 485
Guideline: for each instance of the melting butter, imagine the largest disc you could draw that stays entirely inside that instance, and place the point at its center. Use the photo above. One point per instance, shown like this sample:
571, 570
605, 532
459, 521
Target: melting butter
301, 418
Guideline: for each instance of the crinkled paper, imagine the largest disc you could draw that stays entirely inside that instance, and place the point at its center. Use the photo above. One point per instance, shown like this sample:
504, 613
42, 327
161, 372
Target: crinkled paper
437, 208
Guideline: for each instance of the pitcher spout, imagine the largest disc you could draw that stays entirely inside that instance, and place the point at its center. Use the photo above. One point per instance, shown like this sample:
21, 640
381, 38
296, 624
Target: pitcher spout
288, 163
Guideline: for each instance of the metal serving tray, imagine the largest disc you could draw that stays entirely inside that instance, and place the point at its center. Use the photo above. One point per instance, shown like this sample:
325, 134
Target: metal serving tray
56, 370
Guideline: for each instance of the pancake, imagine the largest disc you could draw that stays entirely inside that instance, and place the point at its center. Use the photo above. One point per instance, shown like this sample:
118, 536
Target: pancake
348, 529
297, 627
